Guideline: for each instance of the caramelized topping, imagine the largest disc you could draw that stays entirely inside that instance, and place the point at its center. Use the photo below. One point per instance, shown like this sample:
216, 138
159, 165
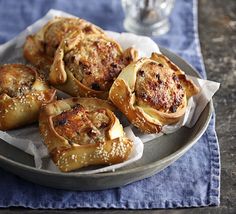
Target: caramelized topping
81, 126
158, 86
56, 31
95, 86
95, 62
141, 73
16, 79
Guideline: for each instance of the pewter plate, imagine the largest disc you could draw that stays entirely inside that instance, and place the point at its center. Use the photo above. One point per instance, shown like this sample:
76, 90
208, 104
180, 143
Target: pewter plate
158, 154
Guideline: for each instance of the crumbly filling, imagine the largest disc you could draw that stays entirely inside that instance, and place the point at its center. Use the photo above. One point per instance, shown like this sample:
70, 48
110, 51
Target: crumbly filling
81, 126
159, 87
56, 31
16, 80
95, 62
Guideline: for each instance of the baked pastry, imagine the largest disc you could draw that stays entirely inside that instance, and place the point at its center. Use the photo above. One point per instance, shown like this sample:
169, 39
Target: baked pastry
80, 132
22, 92
87, 65
39, 49
152, 93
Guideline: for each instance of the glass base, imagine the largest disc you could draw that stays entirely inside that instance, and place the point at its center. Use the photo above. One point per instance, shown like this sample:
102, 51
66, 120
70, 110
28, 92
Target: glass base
156, 29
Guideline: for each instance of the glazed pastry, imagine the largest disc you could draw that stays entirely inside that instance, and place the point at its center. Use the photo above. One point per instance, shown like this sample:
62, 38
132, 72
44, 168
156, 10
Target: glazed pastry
22, 92
80, 132
39, 49
87, 65
152, 93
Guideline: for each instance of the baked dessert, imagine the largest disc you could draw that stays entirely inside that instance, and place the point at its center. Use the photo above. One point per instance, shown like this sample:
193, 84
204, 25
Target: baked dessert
22, 93
152, 93
39, 49
87, 65
79, 132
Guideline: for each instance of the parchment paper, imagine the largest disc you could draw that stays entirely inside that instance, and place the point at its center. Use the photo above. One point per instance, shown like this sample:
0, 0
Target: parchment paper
28, 138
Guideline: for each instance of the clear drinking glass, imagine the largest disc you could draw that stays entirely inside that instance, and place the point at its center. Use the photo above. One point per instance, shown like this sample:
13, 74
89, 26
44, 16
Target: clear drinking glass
147, 17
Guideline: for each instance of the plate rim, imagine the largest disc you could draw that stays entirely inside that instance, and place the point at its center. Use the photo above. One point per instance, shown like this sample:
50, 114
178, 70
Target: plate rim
173, 156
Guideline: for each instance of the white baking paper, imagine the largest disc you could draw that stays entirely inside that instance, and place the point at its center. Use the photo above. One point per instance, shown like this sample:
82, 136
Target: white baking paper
28, 138
196, 105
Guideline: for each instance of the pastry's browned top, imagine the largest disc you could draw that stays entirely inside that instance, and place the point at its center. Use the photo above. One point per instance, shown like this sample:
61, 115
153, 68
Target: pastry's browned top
16, 79
159, 87
82, 126
57, 30
95, 61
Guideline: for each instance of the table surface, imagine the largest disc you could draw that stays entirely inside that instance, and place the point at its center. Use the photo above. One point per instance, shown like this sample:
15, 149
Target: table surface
217, 29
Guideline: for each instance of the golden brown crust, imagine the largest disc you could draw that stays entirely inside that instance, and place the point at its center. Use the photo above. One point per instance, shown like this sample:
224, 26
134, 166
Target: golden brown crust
22, 94
87, 65
39, 49
80, 132
34, 54
158, 87
190, 88
152, 93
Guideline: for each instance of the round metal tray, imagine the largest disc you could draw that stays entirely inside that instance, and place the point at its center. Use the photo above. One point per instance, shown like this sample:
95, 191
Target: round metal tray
158, 154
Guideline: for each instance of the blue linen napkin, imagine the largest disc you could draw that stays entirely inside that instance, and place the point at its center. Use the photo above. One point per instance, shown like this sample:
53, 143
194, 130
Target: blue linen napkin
192, 181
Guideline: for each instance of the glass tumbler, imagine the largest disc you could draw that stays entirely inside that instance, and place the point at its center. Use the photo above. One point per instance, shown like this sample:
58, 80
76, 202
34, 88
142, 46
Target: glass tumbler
147, 17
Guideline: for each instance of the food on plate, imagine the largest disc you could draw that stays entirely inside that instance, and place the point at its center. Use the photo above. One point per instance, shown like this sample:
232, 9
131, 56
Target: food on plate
39, 49
87, 65
152, 92
80, 132
22, 93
